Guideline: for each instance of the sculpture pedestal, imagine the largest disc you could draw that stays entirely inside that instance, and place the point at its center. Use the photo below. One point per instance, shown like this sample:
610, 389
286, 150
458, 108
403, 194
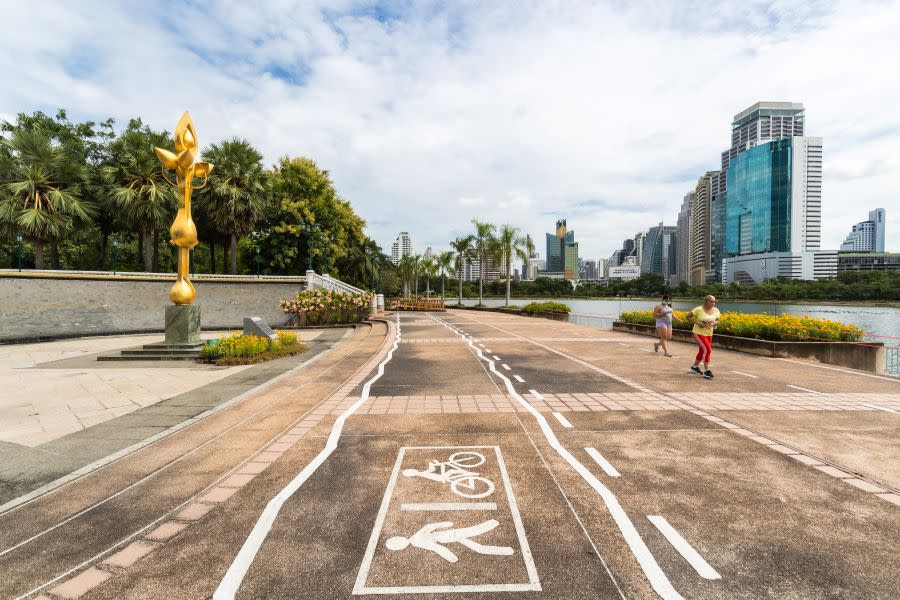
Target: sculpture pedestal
182, 324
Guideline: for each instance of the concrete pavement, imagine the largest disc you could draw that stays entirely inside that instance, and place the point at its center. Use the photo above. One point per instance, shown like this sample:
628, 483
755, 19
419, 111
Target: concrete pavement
495, 456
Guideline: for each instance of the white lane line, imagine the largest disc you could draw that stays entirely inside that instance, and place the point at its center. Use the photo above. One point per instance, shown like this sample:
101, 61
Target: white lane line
700, 565
488, 350
519, 379
797, 387
644, 349
535, 394
621, 344
746, 374
636, 544
496, 357
604, 464
238, 569
562, 420
505, 366
817, 366
448, 506
882, 408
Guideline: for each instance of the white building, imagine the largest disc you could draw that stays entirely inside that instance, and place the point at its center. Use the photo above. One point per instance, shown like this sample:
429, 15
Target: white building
762, 267
867, 236
401, 247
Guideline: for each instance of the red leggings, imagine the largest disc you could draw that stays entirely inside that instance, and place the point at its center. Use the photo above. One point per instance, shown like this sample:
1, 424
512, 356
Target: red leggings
705, 350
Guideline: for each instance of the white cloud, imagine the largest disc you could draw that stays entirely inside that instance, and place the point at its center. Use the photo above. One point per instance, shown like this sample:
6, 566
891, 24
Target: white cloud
513, 113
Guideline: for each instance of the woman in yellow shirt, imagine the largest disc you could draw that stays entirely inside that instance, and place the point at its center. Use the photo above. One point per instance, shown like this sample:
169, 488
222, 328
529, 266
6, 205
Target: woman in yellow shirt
705, 319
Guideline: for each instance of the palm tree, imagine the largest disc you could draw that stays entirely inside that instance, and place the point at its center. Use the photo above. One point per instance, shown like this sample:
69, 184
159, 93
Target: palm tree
429, 269
417, 269
361, 264
528, 243
236, 195
406, 268
484, 236
42, 198
510, 246
464, 251
135, 185
445, 264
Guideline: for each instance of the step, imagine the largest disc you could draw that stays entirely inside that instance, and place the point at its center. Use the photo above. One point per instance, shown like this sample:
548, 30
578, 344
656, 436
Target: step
149, 356
164, 346
161, 352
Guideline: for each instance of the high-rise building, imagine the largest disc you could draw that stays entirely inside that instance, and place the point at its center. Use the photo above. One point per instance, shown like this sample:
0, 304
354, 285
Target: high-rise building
701, 227
603, 267
775, 198
562, 252
492, 270
429, 253
589, 269
615, 259
763, 122
639, 246
683, 241
658, 255
867, 236
401, 247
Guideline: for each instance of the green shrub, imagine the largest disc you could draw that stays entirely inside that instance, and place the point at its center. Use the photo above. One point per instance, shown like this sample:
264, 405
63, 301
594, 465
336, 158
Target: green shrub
549, 307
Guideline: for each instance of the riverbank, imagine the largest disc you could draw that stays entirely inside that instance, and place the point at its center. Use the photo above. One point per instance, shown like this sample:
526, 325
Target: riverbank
877, 303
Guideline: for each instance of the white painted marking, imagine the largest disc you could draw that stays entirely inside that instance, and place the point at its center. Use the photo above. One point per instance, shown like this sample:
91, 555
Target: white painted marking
434, 536
505, 366
533, 584
604, 464
519, 379
700, 565
882, 408
797, 387
535, 394
621, 344
562, 420
496, 357
644, 349
448, 506
457, 472
488, 350
229, 585
746, 374
817, 366
636, 544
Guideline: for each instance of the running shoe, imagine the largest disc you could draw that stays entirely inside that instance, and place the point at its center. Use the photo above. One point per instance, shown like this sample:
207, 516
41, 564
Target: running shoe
667, 354
708, 374
656, 347
696, 369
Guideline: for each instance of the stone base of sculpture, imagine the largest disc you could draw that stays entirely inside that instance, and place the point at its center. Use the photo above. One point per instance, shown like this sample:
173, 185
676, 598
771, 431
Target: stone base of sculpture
182, 324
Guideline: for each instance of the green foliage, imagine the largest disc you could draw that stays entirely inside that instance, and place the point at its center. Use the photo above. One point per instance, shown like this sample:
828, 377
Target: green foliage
783, 328
322, 306
248, 349
545, 307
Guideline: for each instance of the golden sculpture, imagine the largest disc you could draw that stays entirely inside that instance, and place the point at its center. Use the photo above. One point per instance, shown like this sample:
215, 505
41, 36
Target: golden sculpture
183, 230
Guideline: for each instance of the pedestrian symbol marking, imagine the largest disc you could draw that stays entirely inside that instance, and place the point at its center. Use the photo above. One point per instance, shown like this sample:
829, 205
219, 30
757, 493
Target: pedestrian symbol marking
433, 535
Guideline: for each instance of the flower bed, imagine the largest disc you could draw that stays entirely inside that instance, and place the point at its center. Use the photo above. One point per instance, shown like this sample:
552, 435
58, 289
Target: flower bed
242, 349
546, 307
783, 328
327, 307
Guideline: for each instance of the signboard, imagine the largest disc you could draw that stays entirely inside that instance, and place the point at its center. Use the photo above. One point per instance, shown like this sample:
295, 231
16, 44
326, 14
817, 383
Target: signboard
448, 522
625, 272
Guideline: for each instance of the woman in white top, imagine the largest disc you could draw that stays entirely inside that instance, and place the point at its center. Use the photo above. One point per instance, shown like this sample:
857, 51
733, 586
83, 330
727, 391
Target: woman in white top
664, 313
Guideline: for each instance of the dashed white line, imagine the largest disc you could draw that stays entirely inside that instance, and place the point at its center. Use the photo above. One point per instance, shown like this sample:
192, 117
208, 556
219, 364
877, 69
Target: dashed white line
519, 379
882, 408
535, 394
505, 366
746, 374
496, 357
644, 349
604, 464
797, 387
562, 420
621, 344
700, 565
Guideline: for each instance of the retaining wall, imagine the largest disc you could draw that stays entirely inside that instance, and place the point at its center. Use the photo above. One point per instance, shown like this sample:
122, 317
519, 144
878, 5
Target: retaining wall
34, 308
869, 357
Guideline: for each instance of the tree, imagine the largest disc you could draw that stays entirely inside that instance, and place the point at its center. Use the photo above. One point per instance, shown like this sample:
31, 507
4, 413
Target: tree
464, 249
528, 243
41, 194
417, 270
483, 242
361, 265
135, 185
237, 194
445, 264
510, 246
406, 268
429, 268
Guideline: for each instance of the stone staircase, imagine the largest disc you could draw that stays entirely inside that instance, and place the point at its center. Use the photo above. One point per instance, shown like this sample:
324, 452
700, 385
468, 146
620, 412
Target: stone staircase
158, 351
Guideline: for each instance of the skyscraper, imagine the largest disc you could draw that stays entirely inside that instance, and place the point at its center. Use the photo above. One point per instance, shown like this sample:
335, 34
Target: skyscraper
401, 247
659, 251
701, 227
867, 236
562, 251
763, 122
683, 240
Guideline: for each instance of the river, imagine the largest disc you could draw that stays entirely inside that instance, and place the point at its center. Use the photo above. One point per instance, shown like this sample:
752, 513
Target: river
879, 320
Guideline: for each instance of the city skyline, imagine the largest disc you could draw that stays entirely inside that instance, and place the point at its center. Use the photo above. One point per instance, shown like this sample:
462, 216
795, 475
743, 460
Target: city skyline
429, 117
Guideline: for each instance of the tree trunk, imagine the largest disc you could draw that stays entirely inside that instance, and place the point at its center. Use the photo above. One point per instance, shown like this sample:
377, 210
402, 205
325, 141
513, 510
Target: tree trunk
481, 280
443, 281
233, 269
148, 252
212, 257
156, 251
104, 249
38, 246
460, 284
406, 288
54, 255
417, 285
225, 252
140, 247
507, 287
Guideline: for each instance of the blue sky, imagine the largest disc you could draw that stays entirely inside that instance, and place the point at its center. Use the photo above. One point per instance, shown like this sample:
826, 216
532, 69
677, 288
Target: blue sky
430, 114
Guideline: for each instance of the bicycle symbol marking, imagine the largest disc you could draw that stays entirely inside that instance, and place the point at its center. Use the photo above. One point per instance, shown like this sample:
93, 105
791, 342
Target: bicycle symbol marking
456, 472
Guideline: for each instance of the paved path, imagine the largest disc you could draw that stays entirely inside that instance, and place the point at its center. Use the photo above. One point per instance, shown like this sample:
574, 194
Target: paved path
483, 455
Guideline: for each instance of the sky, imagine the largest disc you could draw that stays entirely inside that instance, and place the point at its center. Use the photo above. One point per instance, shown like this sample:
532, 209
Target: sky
429, 115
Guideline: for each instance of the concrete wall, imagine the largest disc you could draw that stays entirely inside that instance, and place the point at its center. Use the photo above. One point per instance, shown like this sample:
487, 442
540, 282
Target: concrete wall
43, 308
868, 357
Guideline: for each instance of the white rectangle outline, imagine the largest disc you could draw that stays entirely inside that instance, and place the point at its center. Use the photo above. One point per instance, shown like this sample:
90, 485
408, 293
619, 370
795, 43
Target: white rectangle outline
533, 585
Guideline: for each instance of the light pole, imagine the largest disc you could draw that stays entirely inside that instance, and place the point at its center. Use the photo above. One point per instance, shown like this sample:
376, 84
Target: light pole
115, 250
19, 249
